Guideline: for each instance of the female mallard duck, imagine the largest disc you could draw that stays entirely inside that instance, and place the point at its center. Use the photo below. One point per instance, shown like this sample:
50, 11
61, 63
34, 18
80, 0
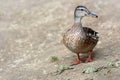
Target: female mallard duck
80, 39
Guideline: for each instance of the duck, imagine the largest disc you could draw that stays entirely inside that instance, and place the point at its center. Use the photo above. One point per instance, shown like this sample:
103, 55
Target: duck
79, 39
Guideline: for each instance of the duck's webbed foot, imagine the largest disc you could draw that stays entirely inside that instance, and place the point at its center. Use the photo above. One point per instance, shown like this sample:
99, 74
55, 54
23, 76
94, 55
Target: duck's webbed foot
89, 59
78, 60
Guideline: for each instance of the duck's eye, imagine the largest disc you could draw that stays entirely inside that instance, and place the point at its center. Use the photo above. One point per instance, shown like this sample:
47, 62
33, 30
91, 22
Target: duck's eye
82, 9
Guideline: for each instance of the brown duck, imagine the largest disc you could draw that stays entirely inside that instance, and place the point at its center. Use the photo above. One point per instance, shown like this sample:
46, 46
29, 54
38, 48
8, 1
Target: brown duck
80, 39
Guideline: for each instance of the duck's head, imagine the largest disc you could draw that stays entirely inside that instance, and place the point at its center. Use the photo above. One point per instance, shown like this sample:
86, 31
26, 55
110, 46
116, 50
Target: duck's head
82, 11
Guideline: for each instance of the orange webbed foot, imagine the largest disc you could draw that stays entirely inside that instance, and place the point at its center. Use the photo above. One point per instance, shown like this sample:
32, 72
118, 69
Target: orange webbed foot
78, 60
89, 59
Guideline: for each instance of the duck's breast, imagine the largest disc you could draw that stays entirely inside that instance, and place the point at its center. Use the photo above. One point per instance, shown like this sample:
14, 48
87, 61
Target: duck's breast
73, 40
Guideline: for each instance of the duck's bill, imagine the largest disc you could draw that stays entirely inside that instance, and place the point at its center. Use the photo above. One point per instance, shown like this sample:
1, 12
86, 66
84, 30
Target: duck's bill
92, 15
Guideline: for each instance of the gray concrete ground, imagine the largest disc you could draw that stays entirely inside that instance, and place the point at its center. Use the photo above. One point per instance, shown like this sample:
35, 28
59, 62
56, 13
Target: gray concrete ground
31, 32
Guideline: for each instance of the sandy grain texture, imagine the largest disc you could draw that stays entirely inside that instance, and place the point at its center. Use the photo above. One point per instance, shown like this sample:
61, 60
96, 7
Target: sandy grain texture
31, 32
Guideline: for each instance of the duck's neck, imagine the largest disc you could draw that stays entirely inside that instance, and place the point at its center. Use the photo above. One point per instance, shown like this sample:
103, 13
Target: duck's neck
77, 22
78, 25
77, 19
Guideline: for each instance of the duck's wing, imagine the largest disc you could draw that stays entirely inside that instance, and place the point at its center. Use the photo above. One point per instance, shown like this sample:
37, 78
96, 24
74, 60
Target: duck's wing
90, 33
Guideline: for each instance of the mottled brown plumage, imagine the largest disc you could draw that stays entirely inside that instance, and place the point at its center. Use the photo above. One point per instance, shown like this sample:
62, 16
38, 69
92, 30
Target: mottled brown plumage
80, 39
77, 43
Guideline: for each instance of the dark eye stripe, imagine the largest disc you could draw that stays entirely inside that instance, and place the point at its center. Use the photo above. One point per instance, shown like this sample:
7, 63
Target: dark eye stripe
82, 9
